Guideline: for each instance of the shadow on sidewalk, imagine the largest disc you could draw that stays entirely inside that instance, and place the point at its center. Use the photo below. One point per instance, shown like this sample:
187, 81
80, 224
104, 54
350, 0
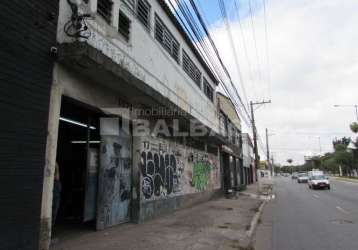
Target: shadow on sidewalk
216, 224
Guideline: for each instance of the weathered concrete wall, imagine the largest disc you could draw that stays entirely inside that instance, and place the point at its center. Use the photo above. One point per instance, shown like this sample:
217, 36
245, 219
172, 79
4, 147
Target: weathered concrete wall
145, 58
172, 175
228, 108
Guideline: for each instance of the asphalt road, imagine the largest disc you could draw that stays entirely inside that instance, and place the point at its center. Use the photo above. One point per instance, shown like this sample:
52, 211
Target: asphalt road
300, 218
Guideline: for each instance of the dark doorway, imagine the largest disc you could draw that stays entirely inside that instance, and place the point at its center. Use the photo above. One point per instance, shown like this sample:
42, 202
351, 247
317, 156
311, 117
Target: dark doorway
226, 170
77, 159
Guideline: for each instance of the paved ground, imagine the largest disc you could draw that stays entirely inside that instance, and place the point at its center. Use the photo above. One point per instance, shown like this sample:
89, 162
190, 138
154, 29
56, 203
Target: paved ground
300, 218
217, 224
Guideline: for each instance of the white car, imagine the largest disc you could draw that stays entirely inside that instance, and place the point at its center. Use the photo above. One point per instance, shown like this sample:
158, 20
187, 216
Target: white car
318, 181
302, 178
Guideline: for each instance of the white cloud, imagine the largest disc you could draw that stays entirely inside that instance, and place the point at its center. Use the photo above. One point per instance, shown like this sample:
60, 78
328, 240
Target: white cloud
314, 64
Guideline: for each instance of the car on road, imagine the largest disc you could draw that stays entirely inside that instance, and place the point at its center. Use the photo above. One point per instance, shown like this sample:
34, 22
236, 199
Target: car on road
294, 175
318, 181
302, 178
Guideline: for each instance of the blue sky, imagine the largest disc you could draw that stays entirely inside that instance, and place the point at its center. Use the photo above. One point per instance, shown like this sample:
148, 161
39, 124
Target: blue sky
213, 14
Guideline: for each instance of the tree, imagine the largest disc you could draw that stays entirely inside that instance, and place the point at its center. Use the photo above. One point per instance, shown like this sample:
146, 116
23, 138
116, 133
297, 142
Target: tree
354, 127
344, 141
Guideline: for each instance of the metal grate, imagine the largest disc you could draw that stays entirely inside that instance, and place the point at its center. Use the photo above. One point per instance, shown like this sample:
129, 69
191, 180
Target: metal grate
104, 9
124, 24
190, 68
166, 39
143, 12
208, 90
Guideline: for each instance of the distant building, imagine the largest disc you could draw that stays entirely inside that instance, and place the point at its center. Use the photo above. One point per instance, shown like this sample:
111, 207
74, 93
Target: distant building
248, 159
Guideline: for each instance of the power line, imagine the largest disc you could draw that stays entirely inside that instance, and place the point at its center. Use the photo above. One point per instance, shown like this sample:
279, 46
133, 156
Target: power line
217, 53
255, 42
246, 53
267, 49
232, 45
195, 31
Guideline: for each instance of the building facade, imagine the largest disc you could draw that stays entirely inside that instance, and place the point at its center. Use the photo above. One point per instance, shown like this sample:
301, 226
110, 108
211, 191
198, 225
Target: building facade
128, 88
250, 175
231, 151
114, 118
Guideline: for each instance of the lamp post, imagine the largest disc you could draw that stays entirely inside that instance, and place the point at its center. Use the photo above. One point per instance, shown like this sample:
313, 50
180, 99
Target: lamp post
354, 106
268, 151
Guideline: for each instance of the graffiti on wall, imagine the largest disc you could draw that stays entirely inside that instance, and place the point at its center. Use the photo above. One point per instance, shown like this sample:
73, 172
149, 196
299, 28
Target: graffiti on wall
168, 170
201, 175
203, 170
115, 179
161, 170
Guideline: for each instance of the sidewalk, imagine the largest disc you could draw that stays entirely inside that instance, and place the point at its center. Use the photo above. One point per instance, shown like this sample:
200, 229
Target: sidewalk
216, 224
345, 179
259, 190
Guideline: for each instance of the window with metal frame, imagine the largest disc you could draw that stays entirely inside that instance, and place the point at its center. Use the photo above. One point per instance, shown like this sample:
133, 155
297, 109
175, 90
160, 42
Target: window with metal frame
124, 24
143, 12
104, 9
166, 39
129, 3
190, 68
208, 90
222, 123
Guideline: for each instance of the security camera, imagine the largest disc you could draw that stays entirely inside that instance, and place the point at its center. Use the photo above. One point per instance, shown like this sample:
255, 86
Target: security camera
53, 51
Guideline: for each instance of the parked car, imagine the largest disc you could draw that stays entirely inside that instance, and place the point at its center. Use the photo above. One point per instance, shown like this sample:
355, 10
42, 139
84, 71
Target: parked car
318, 181
302, 178
294, 175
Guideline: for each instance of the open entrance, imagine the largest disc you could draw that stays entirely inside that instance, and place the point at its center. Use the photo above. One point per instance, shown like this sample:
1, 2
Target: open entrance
92, 188
226, 170
76, 177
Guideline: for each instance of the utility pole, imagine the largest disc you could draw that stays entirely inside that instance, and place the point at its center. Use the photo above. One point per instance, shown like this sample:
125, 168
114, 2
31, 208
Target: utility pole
254, 132
268, 152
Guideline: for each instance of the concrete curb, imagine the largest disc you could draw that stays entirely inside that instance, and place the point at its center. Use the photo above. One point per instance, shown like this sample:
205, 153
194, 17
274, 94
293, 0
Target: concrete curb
249, 194
255, 220
345, 179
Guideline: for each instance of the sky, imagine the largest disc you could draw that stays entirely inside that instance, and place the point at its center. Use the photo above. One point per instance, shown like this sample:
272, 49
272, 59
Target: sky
307, 64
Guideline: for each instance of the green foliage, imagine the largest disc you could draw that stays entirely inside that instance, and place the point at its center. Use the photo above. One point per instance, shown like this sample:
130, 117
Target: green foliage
343, 141
354, 127
330, 162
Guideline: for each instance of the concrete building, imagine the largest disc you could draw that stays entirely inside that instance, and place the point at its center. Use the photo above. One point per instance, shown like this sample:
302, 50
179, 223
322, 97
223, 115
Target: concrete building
249, 173
231, 152
110, 102
126, 79
28, 31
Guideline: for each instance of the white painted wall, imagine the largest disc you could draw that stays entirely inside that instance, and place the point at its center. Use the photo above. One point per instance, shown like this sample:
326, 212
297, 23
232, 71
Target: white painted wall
145, 58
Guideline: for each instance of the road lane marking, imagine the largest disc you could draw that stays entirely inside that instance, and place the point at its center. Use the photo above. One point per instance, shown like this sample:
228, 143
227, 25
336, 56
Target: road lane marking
341, 210
315, 195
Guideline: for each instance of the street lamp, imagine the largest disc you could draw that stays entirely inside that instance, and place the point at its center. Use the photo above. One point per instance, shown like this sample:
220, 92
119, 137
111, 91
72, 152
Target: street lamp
354, 105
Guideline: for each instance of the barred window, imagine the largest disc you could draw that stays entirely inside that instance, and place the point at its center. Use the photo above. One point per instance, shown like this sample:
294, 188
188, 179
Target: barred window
124, 25
129, 3
208, 90
222, 124
104, 9
143, 12
166, 39
190, 68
